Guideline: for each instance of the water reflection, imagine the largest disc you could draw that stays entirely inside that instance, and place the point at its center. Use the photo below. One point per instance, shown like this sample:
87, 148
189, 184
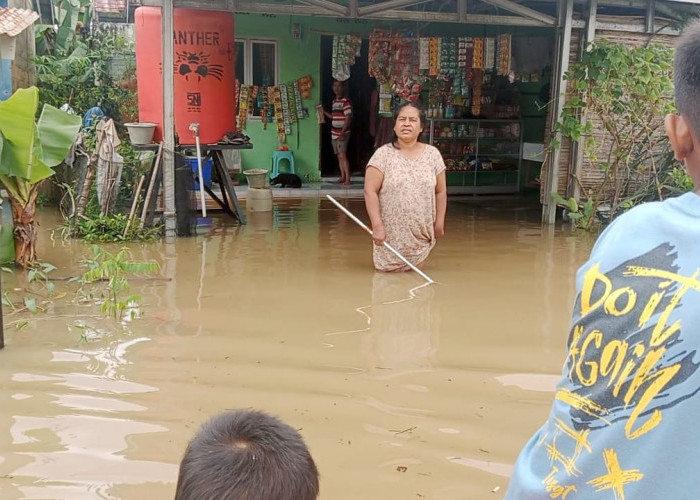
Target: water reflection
403, 325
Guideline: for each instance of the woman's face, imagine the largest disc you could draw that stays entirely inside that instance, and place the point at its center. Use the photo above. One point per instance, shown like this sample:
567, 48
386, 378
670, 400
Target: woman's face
408, 125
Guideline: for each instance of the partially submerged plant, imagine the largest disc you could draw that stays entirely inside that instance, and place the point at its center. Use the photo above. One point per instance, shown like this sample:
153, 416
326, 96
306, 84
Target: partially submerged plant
109, 273
29, 150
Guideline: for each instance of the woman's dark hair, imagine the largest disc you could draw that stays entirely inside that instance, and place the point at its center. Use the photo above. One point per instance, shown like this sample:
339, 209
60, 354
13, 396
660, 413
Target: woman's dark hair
421, 114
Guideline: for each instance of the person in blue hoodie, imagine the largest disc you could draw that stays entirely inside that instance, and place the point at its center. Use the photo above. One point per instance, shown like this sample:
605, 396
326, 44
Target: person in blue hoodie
624, 420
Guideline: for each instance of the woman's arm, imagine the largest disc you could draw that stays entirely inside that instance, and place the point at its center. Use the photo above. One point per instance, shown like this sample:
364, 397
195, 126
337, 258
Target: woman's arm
373, 183
440, 203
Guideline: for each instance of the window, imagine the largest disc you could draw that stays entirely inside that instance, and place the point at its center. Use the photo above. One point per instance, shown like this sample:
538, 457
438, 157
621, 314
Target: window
256, 64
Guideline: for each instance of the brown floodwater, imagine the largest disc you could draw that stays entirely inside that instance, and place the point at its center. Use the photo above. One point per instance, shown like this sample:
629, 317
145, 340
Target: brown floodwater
401, 391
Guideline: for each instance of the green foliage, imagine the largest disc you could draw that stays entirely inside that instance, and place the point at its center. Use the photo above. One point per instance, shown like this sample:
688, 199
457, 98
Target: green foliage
81, 78
36, 295
29, 150
39, 273
625, 92
110, 228
108, 273
72, 18
581, 213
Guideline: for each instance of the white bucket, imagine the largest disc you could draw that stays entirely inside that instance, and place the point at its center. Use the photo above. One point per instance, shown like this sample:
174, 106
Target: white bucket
141, 132
259, 199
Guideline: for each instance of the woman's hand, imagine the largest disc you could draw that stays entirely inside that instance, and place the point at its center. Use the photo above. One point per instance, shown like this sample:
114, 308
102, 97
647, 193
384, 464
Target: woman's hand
379, 235
439, 228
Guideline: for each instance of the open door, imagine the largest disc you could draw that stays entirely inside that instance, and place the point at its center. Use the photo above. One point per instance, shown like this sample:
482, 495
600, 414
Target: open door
360, 86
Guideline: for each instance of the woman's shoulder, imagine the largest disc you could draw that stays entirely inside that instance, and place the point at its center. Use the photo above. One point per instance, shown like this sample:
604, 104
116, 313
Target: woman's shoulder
432, 149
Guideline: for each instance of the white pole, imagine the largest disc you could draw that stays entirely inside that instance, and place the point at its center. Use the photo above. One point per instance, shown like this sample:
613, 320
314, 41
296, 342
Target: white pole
194, 127
388, 247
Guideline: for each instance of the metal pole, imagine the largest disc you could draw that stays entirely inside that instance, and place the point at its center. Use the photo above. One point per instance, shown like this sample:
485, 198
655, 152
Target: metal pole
388, 247
194, 127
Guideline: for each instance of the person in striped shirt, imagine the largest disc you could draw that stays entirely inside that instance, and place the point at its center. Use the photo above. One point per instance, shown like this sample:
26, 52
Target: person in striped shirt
340, 116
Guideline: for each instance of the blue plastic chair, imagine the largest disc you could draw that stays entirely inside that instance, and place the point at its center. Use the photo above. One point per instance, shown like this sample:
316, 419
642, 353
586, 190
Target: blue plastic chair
278, 156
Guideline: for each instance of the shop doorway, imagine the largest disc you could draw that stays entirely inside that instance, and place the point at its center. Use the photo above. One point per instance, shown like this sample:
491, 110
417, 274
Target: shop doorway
360, 86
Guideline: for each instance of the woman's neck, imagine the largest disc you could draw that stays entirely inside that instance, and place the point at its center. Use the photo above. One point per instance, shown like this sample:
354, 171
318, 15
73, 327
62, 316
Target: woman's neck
407, 144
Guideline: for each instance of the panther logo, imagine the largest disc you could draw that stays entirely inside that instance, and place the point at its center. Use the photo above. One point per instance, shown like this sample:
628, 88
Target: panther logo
197, 63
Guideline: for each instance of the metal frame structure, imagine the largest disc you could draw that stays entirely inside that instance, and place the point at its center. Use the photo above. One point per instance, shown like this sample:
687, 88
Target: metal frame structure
657, 16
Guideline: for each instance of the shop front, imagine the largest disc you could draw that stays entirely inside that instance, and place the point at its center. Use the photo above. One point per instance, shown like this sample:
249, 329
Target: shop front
489, 74
484, 90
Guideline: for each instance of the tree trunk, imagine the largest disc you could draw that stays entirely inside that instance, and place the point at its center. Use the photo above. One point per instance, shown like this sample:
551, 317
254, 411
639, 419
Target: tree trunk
25, 227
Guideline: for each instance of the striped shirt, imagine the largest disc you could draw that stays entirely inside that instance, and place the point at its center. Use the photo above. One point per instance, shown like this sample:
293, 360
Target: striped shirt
340, 111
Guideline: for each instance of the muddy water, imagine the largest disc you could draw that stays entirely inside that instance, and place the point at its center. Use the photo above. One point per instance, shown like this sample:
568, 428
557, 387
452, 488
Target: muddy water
401, 391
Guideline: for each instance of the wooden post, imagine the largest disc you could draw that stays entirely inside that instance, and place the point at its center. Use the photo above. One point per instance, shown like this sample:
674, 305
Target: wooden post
566, 8
578, 148
2, 322
149, 191
168, 122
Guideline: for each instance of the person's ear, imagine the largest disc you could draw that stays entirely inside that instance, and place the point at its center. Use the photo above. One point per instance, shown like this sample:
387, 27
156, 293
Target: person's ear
680, 135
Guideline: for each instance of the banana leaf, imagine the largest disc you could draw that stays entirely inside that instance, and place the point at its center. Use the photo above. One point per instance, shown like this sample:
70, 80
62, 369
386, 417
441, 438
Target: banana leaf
29, 150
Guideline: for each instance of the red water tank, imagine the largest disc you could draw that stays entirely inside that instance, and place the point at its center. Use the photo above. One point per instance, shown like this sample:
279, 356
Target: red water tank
204, 69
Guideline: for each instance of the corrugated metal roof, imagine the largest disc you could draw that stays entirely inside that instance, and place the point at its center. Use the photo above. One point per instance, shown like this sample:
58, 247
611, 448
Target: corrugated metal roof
14, 21
110, 5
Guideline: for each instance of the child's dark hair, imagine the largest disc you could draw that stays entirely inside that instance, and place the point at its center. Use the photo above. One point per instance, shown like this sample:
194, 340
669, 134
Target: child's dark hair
421, 116
247, 455
686, 75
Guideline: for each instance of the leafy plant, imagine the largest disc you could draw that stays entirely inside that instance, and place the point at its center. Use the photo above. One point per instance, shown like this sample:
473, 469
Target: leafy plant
109, 272
29, 150
71, 18
39, 273
111, 228
625, 92
581, 213
39, 286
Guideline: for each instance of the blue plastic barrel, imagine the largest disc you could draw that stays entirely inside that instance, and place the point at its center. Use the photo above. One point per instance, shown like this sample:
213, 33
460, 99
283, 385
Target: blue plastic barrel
207, 167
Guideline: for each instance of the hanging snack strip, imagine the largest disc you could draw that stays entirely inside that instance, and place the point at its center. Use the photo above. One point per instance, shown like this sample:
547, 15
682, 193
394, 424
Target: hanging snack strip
424, 55
286, 118
477, 82
292, 103
243, 105
263, 108
433, 54
339, 67
252, 96
478, 59
305, 84
279, 118
504, 48
380, 56
297, 100
489, 53
462, 52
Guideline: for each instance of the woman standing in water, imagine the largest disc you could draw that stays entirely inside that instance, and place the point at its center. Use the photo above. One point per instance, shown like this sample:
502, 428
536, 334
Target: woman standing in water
405, 194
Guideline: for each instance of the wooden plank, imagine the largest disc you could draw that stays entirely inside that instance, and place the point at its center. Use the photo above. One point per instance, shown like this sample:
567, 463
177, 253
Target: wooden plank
227, 185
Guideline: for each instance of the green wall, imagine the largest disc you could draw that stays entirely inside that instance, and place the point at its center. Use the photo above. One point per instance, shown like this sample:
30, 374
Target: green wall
302, 57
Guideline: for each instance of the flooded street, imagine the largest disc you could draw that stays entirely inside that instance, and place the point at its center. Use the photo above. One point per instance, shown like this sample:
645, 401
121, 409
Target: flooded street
401, 391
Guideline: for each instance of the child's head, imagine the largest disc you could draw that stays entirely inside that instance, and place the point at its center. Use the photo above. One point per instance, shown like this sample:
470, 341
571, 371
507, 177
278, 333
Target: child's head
338, 88
683, 129
247, 455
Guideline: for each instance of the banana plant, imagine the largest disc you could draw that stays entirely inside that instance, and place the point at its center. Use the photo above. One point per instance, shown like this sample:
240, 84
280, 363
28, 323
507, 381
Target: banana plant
29, 149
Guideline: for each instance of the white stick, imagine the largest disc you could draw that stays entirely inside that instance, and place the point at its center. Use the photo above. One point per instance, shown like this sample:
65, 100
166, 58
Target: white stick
388, 247
195, 128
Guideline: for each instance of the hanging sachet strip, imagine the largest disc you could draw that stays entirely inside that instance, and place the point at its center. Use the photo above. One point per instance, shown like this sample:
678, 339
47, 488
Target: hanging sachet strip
504, 51
489, 53
297, 100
